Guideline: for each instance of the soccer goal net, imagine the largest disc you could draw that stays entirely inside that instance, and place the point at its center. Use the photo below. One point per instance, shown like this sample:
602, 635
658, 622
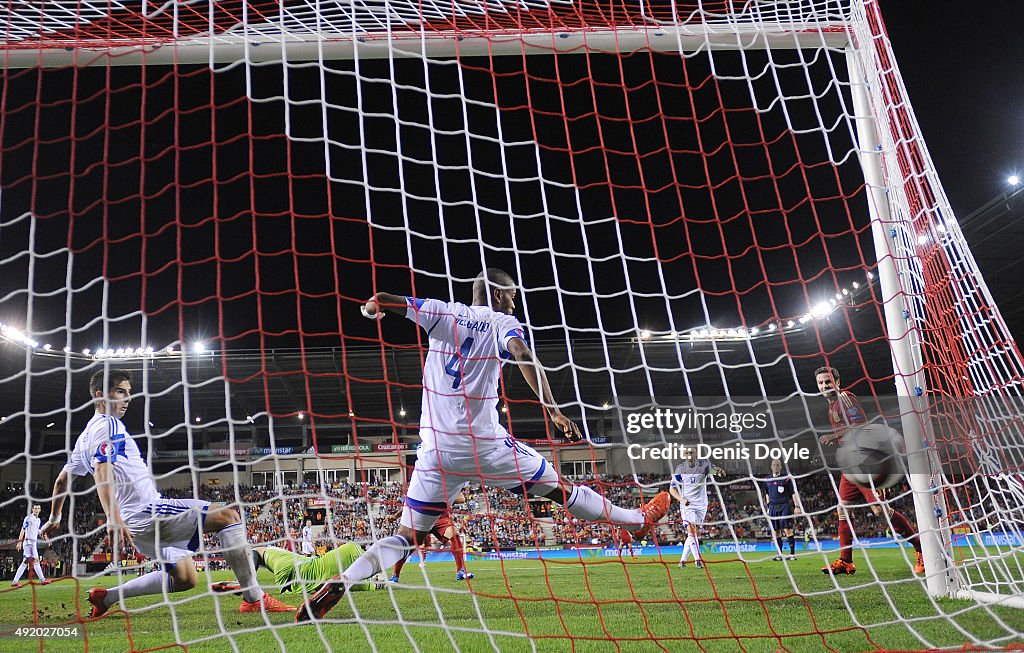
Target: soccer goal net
703, 204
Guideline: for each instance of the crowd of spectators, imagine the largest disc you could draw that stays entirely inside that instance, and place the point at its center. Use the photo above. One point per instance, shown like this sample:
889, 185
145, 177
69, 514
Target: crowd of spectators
489, 518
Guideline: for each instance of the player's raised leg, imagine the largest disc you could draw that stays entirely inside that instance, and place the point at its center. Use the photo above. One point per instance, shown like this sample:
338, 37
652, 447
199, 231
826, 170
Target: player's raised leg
519, 468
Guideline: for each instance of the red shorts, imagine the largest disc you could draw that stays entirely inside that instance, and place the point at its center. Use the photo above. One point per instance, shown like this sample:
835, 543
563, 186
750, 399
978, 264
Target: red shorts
850, 493
443, 523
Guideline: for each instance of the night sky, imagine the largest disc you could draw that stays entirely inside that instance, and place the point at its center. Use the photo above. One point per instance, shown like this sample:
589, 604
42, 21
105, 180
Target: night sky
964, 70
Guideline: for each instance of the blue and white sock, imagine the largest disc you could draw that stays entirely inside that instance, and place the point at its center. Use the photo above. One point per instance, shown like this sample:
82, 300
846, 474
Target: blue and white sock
235, 548
155, 582
590, 506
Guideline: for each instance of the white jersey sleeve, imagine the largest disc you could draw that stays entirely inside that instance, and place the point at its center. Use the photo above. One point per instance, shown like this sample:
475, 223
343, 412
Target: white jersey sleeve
508, 329
106, 440
428, 313
95, 444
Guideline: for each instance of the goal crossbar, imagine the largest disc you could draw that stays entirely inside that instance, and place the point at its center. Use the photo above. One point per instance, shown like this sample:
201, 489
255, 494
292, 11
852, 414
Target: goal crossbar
257, 45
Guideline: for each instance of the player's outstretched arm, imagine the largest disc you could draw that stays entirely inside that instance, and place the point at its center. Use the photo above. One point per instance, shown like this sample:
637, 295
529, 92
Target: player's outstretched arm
104, 476
57, 499
384, 302
675, 494
538, 380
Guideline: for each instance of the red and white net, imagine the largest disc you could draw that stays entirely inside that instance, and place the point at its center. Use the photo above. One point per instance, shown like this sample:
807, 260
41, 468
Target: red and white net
679, 189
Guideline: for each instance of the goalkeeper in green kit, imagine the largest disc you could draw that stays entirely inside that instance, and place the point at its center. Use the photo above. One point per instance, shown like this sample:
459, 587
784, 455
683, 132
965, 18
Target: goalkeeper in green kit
294, 572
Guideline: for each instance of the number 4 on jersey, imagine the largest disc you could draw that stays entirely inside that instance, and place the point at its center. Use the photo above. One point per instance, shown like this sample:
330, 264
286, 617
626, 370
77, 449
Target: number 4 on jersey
454, 365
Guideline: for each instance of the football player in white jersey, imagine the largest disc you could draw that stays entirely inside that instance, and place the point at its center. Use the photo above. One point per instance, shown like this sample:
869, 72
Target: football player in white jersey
307, 539
462, 438
27, 545
690, 488
166, 530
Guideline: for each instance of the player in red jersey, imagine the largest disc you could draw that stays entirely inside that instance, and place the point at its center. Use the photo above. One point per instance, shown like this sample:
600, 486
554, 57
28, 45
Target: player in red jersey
444, 530
845, 410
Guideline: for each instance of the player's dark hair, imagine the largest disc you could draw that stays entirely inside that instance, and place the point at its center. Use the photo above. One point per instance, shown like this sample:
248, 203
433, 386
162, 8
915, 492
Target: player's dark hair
488, 280
828, 370
113, 378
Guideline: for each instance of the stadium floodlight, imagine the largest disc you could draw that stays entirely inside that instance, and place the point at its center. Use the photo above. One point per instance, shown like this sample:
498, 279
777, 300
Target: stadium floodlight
199, 419
301, 415
856, 285
199, 347
645, 334
50, 425
401, 412
772, 326
1013, 180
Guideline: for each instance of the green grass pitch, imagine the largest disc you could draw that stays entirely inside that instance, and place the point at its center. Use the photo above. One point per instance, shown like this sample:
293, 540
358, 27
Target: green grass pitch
558, 605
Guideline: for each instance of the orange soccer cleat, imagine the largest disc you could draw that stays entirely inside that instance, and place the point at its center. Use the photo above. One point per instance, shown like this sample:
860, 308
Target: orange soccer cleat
268, 603
919, 564
838, 567
96, 596
321, 603
653, 511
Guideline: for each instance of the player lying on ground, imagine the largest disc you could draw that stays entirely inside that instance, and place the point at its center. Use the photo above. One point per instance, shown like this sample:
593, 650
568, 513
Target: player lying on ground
27, 545
445, 532
135, 512
295, 573
781, 497
845, 410
462, 438
690, 488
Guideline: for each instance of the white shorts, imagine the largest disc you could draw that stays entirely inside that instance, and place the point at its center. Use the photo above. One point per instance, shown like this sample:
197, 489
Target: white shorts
171, 529
307, 549
439, 476
29, 550
693, 514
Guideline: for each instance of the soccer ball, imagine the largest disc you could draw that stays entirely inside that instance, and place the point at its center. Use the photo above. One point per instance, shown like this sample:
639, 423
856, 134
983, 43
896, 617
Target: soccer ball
871, 456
